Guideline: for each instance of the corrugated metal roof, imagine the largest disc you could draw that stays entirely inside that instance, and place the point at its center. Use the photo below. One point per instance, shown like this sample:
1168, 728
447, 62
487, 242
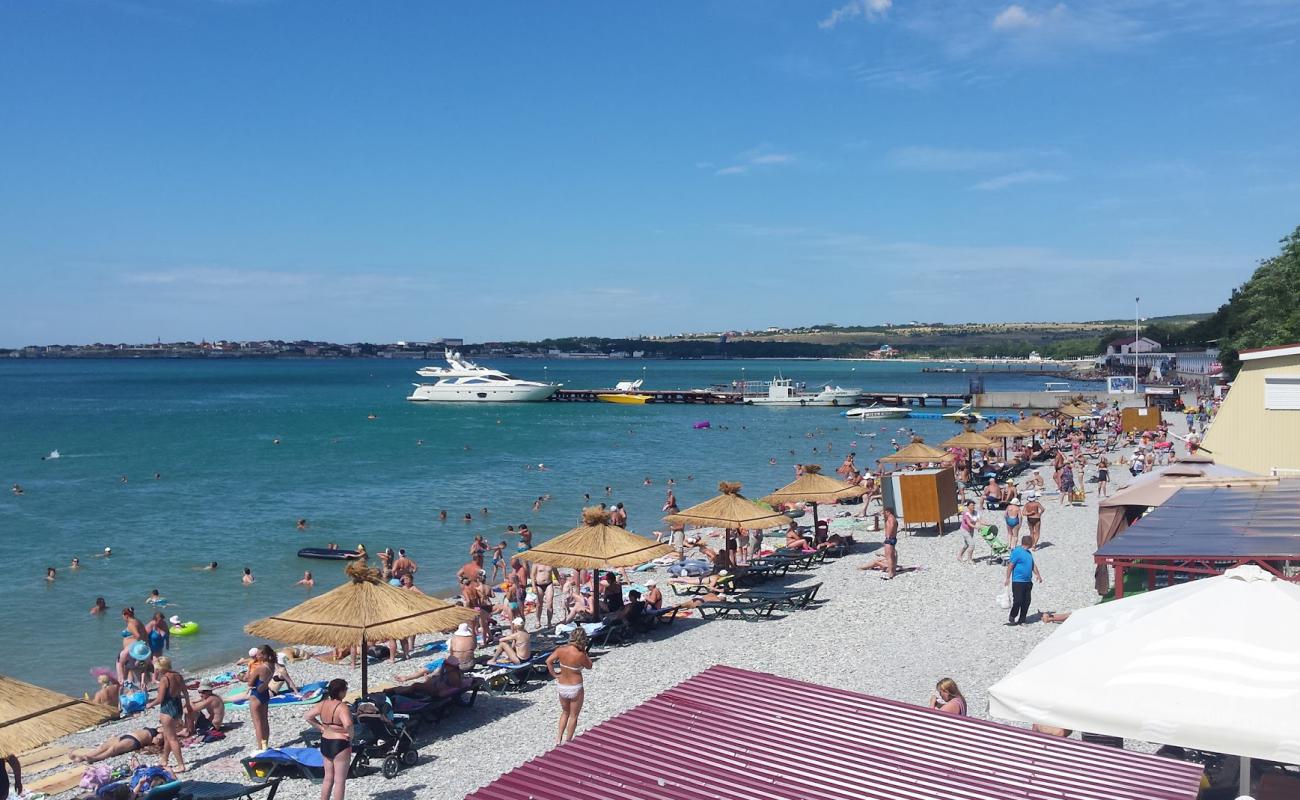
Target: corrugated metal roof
1216, 522
733, 734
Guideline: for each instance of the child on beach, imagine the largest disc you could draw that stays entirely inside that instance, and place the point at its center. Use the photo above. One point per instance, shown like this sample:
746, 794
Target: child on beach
498, 559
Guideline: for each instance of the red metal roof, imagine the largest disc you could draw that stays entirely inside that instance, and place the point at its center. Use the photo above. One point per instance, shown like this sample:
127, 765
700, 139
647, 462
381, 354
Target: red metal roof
732, 734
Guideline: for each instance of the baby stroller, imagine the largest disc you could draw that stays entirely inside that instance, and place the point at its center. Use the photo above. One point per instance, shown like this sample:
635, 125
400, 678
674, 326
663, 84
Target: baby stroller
989, 533
380, 733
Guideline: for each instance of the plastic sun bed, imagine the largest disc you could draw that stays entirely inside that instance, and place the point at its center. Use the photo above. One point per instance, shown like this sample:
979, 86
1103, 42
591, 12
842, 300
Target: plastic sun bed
290, 762
794, 597
749, 610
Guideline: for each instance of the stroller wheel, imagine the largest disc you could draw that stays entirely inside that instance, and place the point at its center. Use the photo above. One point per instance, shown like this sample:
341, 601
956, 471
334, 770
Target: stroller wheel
391, 767
410, 757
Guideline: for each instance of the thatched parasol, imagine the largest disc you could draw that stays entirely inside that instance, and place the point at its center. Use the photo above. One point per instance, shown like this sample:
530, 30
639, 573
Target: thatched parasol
814, 487
31, 716
1035, 423
918, 452
595, 544
1006, 431
729, 510
970, 440
1074, 410
365, 609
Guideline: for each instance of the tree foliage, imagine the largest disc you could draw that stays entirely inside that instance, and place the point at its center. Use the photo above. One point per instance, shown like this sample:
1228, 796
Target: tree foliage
1263, 312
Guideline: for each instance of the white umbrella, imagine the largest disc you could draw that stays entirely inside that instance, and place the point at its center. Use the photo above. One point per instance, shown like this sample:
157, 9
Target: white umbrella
1213, 664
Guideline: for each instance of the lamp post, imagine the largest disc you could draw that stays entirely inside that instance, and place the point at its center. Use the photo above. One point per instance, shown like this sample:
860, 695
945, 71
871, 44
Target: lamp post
1137, 321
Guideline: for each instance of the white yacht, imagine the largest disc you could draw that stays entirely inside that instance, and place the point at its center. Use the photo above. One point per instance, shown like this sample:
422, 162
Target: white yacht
783, 392
463, 381
878, 412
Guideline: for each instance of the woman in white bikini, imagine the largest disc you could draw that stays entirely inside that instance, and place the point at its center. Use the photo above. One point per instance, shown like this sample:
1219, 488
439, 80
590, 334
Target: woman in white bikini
567, 664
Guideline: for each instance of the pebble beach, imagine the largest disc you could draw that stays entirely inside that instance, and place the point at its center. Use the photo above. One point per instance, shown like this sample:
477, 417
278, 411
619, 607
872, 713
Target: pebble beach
895, 639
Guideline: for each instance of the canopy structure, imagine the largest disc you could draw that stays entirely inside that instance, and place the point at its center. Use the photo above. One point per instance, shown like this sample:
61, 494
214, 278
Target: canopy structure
365, 609
1035, 424
596, 544
731, 511
30, 716
918, 452
1117, 512
851, 747
1205, 528
814, 487
1210, 665
969, 440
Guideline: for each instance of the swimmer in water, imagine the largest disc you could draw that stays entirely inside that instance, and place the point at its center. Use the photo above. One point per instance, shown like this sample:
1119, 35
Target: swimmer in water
275, 440
442, 515
49, 573
371, 416
771, 462
124, 479
248, 576
541, 467
537, 504
108, 551
208, 568
302, 524
419, 443
156, 599
17, 490
100, 606
306, 580
76, 563
485, 511
157, 476
467, 517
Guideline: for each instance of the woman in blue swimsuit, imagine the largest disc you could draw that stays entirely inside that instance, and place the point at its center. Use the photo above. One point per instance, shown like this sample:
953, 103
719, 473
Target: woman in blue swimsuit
259, 694
173, 701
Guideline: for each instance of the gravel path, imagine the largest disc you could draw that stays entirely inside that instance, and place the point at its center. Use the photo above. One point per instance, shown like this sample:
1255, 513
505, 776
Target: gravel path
889, 638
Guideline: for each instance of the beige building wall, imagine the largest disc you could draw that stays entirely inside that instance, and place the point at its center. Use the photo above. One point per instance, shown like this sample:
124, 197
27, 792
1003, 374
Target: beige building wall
1247, 436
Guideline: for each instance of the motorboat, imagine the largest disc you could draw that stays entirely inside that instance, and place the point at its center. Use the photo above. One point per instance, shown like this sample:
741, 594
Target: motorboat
463, 381
878, 412
965, 415
783, 392
625, 393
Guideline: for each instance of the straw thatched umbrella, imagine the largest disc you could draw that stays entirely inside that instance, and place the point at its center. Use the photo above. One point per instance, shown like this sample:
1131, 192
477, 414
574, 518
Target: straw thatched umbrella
814, 487
595, 544
729, 511
365, 609
1006, 431
1035, 423
918, 452
31, 716
969, 440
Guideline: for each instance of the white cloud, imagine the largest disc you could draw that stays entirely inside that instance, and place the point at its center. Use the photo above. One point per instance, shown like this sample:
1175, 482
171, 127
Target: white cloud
945, 159
1014, 16
857, 9
1016, 178
761, 156
219, 277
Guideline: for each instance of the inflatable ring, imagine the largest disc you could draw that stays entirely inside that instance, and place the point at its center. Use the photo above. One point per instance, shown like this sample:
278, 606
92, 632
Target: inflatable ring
185, 629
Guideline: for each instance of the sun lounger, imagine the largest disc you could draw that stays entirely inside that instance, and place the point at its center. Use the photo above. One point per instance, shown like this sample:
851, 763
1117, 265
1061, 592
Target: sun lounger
794, 597
507, 677
746, 609
226, 790
285, 762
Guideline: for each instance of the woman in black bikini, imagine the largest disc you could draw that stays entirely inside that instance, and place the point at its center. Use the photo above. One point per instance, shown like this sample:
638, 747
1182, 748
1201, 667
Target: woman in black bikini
333, 719
138, 739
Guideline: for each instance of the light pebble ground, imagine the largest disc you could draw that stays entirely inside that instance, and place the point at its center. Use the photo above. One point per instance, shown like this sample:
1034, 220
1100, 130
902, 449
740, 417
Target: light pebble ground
889, 638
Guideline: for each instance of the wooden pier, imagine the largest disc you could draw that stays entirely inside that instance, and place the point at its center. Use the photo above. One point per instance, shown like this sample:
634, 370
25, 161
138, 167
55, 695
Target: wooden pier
713, 397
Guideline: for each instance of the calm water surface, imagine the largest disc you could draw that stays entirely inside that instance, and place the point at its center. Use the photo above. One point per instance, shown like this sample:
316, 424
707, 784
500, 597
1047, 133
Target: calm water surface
227, 493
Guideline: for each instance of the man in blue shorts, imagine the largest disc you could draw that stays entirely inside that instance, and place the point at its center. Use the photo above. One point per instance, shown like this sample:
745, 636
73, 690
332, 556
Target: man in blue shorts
1021, 573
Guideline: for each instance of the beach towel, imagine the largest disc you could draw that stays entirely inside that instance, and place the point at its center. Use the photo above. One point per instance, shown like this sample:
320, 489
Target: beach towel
308, 694
305, 762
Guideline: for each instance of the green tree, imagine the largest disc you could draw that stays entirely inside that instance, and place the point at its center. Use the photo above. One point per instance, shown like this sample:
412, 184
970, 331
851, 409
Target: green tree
1265, 311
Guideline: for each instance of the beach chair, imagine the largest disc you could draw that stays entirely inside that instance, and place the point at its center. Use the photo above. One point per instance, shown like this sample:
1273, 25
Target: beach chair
227, 790
991, 537
284, 762
750, 610
795, 597
506, 677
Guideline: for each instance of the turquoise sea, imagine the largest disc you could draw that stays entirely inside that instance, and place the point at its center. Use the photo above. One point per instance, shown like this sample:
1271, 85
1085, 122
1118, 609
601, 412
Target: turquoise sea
227, 493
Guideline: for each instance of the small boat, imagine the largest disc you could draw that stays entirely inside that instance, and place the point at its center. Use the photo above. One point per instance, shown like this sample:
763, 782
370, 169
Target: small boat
964, 415
625, 393
878, 412
624, 399
327, 554
784, 392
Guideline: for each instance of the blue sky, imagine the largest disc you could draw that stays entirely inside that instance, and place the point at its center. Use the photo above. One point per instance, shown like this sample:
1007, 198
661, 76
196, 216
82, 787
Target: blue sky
391, 170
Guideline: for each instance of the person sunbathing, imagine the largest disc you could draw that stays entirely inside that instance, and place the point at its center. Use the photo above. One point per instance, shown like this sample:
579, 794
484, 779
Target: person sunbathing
793, 537
514, 647
720, 582
139, 739
446, 681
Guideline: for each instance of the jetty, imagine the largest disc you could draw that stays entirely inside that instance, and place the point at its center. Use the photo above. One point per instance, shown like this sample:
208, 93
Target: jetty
716, 397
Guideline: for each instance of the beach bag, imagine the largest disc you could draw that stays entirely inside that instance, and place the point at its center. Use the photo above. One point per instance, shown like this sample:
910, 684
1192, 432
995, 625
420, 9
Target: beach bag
95, 777
1004, 598
132, 700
